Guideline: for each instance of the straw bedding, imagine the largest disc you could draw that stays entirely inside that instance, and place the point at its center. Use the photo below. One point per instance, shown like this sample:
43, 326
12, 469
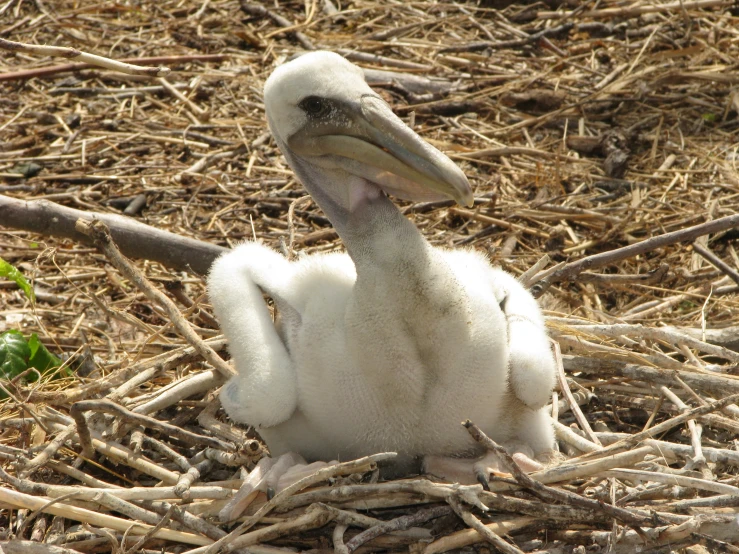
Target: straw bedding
584, 128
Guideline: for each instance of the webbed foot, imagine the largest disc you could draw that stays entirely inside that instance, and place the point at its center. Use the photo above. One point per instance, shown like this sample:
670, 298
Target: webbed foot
270, 476
469, 471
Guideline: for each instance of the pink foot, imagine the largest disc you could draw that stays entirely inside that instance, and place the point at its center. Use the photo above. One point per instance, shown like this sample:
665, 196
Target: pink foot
270, 475
468, 471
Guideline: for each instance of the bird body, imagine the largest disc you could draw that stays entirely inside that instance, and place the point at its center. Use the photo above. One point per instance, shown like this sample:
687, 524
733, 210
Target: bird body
393, 344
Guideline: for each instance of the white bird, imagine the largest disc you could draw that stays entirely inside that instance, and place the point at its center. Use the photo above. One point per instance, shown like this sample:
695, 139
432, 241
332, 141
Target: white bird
393, 344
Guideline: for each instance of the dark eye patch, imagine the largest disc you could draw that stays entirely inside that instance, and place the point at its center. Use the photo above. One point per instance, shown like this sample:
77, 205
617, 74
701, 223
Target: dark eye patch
314, 106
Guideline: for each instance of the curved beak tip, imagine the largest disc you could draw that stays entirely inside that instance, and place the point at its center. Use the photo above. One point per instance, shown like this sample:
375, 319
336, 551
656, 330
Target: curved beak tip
462, 190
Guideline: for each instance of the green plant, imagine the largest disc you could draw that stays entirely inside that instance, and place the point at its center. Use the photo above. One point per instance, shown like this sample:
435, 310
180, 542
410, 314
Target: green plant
17, 352
7, 270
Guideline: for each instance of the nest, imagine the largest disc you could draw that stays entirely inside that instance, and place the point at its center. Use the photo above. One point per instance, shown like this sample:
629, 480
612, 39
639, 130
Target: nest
585, 130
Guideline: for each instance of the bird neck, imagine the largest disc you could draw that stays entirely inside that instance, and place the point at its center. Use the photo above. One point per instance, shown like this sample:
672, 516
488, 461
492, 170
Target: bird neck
378, 235
401, 278
375, 233
363, 216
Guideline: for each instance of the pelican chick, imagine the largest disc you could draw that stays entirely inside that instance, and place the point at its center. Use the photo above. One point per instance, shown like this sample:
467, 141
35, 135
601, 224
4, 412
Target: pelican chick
391, 345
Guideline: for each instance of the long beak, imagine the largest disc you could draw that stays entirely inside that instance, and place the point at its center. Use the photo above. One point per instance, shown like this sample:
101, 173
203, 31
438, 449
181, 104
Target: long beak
379, 147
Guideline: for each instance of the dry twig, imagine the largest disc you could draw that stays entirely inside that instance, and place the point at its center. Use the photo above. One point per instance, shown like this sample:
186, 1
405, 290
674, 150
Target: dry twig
84, 57
98, 231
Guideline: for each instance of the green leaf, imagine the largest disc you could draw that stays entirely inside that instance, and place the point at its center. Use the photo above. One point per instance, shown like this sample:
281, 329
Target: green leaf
41, 358
17, 354
7, 270
14, 354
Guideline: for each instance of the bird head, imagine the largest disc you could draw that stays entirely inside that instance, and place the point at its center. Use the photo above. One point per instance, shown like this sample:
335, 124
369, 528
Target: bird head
333, 127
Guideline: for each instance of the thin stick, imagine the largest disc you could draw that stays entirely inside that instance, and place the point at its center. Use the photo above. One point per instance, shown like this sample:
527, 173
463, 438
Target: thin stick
17, 546
404, 492
668, 334
99, 232
397, 524
637, 9
569, 470
49, 451
260, 11
664, 426
471, 536
143, 539
119, 453
346, 468
574, 406
485, 532
716, 261
49, 71
654, 413
195, 383
712, 383
626, 516
527, 275
509, 44
92, 59
499, 222
20, 500
698, 458
338, 539
314, 517
571, 270
200, 113
681, 480
131, 494
570, 437
107, 406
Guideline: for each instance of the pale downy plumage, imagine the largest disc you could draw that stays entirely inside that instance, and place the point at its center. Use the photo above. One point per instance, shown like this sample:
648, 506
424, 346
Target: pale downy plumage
392, 345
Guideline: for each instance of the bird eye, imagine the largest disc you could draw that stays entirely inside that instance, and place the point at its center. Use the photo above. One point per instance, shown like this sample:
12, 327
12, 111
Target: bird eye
313, 105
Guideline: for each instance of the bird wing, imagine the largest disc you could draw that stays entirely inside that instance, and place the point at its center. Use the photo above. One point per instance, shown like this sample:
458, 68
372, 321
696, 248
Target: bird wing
264, 392
531, 364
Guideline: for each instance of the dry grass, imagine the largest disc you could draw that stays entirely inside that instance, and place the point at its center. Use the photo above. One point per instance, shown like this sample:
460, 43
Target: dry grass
617, 128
